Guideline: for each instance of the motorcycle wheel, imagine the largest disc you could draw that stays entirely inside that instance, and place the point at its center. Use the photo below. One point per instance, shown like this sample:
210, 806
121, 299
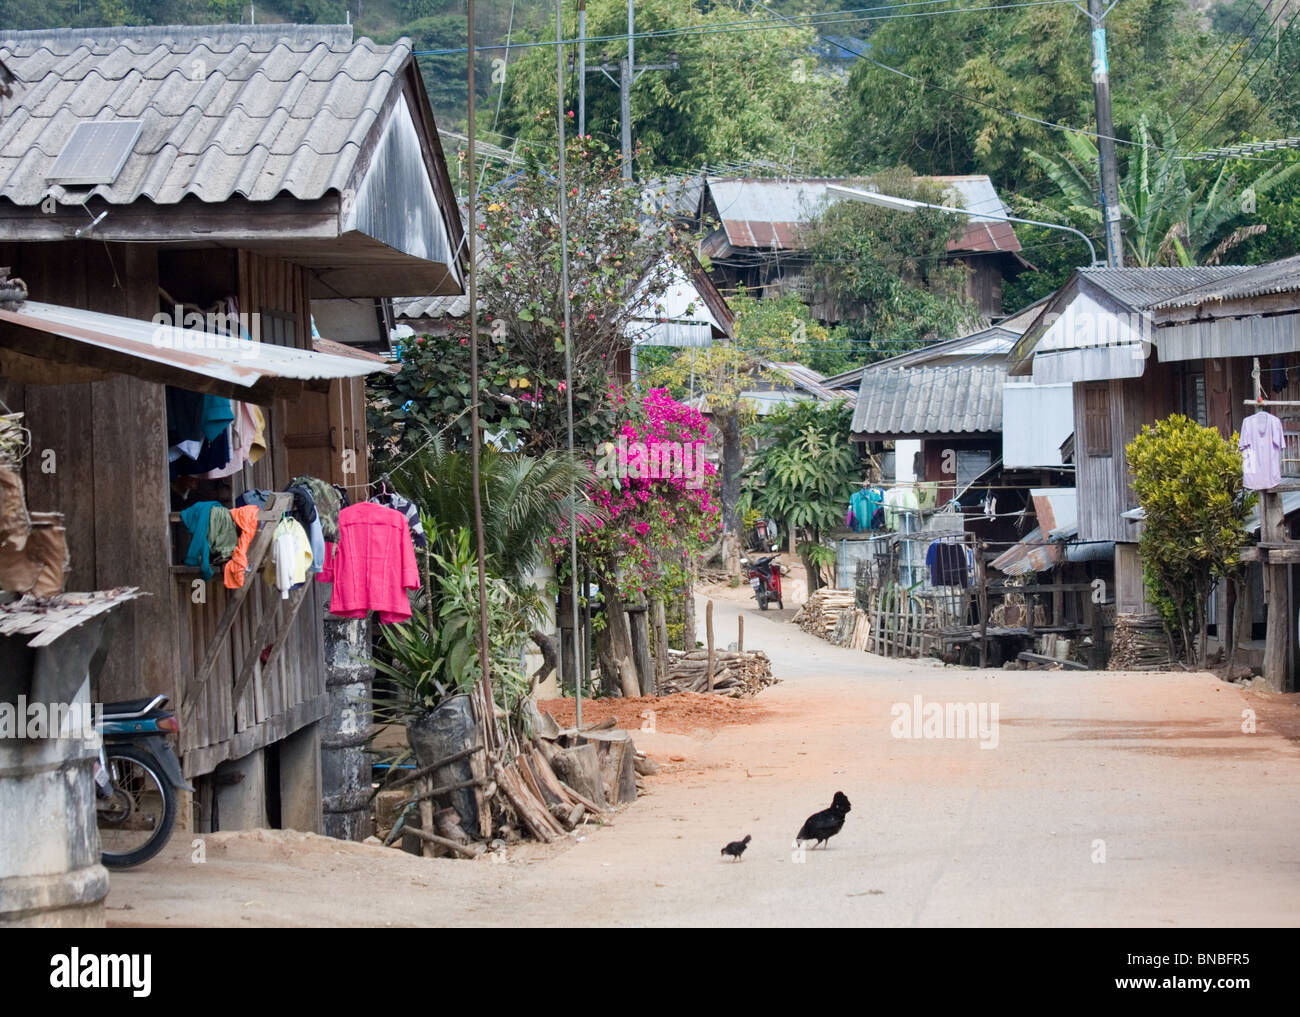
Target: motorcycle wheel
142, 803
780, 604
762, 600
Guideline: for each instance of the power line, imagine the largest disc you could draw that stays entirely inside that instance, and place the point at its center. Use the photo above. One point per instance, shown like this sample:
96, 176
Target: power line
1226, 60
1246, 60
799, 21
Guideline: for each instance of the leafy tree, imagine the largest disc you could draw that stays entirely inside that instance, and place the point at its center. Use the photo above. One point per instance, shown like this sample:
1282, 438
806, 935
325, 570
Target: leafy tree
1278, 210
804, 474
1034, 61
525, 500
1188, 480
434, 655
783, 328
1168, 219
887, 272
616, 250
735, 95
429, 395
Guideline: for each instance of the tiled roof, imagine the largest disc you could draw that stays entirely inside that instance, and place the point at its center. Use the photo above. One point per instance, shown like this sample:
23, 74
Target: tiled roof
227, 109
930, 400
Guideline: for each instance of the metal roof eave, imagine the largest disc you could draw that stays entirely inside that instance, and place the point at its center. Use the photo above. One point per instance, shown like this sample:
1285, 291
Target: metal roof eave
187, 358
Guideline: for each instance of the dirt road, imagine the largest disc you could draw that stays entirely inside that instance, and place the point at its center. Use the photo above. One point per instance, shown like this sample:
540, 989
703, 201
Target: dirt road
1102, 799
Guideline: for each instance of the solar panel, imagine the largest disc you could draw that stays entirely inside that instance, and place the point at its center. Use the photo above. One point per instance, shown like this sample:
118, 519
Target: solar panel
95, 153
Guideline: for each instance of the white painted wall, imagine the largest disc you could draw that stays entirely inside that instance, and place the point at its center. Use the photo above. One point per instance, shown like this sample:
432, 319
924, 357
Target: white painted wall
1035, 420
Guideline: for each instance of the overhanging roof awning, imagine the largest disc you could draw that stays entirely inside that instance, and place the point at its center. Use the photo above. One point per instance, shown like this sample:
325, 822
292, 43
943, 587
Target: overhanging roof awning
37, 337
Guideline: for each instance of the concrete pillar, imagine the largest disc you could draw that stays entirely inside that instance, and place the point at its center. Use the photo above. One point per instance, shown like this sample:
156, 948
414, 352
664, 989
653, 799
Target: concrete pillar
239, 792
300, 780
344, 761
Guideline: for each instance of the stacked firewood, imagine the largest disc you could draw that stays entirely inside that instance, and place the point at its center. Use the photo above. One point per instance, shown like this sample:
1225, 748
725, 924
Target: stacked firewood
544, 787
740, 674
821, 612
853, 630
1139, 644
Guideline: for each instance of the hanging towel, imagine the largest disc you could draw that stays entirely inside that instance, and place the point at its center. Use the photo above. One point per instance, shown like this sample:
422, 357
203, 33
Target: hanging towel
304, 510
196, 519
241, 437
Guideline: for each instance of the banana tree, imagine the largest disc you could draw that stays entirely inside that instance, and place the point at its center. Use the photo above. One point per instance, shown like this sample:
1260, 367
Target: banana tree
1167, 220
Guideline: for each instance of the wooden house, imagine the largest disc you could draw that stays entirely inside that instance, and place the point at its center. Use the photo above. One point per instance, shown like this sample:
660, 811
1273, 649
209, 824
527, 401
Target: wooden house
250, 170
754, 240
1139, 344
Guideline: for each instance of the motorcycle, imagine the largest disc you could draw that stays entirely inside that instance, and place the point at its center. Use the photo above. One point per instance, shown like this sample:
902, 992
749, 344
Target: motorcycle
136, 780
765, 577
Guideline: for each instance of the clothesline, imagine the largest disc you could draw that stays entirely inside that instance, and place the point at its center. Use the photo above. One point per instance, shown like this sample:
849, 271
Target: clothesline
393, 469
971, 485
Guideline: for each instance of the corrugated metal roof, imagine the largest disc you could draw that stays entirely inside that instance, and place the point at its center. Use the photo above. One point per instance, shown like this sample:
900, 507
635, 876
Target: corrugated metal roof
379, 364
1276, 277
227, 109
805, 378
431, 307
1141, 288
769, 213
930, 400
200, 361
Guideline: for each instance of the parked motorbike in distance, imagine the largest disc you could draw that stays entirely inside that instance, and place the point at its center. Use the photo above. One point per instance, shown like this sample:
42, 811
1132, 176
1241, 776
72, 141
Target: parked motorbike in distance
765, 578
136, 780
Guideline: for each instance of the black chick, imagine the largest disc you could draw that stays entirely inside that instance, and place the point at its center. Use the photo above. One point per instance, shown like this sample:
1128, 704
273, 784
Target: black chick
736, 848
822, 826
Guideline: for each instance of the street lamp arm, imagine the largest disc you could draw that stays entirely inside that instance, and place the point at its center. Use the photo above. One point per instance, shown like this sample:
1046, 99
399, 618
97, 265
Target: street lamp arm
911, 205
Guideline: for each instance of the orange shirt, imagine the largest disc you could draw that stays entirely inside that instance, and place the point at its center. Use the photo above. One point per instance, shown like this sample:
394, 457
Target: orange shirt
245, 519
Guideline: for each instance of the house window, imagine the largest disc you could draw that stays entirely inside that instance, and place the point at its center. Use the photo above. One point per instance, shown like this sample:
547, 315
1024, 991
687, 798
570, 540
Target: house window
1096, 420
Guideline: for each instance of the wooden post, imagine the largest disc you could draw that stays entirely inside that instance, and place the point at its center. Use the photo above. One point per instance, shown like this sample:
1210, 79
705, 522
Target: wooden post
708, 631
427, 847
1098, 656
740, 633
660, 624
1277, 634
639, 628
688, 613
982, 582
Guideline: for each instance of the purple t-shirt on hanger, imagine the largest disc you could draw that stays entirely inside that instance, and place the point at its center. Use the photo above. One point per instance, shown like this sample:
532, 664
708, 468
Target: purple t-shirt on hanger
1261, 451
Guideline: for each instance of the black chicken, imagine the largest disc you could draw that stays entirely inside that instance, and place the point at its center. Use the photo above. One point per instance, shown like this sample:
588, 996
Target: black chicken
736, 848
822, 826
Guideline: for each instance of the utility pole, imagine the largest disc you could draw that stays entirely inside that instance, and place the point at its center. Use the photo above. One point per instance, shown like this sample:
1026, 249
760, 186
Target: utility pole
628, 72
582, 68
1110, 210
626, 78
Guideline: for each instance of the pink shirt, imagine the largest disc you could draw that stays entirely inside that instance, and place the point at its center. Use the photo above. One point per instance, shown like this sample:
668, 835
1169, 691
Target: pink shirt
372, 565
1261, 451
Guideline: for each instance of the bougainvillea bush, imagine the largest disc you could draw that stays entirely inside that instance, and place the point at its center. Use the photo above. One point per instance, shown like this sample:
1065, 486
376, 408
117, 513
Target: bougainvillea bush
657, 488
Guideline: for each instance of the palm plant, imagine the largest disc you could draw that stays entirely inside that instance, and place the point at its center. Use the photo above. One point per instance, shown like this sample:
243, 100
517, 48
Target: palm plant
1168, 221
526, 498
